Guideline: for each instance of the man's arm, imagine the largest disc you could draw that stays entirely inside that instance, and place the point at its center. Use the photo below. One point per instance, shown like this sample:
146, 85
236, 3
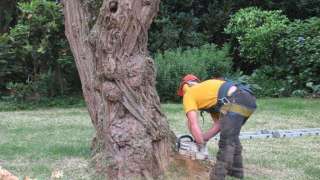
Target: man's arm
214, 130
194, 127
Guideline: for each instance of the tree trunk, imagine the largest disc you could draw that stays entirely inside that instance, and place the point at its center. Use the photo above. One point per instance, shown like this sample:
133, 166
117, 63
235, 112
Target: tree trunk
8, 14
108, 39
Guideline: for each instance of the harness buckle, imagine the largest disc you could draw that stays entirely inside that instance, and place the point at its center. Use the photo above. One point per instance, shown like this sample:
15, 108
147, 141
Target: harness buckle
224, 100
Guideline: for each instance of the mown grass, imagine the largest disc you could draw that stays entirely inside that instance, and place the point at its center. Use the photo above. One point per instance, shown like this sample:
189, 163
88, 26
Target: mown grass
36, 142
9, 104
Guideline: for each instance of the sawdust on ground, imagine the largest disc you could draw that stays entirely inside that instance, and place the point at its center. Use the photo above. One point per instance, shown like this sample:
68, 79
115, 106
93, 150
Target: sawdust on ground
188, 169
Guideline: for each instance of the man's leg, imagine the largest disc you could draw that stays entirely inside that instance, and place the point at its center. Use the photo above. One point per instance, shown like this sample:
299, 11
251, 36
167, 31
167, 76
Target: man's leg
237, 166
249, 101
230, 129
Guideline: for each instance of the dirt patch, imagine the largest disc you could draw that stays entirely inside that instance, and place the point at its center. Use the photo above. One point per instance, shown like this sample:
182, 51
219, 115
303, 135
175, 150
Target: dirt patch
188, 169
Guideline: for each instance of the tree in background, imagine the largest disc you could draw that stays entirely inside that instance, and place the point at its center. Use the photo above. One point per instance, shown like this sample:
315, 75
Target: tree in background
180, 24
300, 56
296, 9
284, 54
256, 33
192, 23
8, 11
35, 58
176, 26
205, 62
109, 42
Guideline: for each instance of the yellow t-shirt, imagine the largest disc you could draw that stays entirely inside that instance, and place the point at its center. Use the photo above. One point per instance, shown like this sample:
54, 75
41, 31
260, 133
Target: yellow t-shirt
201, 96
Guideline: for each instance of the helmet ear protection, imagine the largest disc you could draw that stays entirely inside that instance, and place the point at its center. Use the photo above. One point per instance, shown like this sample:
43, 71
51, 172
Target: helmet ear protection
188, 79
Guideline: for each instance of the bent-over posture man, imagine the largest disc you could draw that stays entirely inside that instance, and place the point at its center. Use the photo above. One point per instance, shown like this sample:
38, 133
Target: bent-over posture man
230, 105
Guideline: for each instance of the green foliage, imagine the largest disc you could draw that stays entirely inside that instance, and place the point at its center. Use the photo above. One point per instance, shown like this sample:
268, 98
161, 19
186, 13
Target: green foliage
204, 62
296, 9
20, 91
267, 82
315, 88
215, 15
35, 52
8, 11
301, 54
8, 68
175, 27
215, 18
9, 104
283, 57
285, 54
257, 33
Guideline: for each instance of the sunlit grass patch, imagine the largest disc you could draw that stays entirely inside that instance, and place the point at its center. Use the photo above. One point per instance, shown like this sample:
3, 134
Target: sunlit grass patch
297, 158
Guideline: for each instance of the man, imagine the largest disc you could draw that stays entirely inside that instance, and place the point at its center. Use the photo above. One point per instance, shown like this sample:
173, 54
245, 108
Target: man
230, 105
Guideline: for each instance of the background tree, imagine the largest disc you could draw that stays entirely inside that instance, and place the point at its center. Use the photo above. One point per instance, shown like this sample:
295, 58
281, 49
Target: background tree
206, 61
109, 42
34, 54
35, 58
295, 9
8, 11
256, 33
177, 25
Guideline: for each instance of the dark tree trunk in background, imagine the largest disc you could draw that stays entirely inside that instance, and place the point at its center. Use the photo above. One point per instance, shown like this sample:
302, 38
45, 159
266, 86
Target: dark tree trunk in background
8, 12
109, 42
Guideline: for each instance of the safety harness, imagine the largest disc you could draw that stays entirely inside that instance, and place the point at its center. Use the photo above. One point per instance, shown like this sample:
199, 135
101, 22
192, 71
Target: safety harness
224, 104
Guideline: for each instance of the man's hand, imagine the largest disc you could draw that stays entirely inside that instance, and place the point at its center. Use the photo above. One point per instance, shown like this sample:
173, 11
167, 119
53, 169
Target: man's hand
202, 148
193, 150
214, 130
194, 127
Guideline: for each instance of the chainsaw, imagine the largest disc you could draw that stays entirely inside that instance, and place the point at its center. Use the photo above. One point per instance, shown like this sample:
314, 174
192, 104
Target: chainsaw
187, 147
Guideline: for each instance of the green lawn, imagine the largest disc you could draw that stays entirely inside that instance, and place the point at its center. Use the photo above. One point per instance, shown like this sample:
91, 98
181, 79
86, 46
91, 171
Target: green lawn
36, 142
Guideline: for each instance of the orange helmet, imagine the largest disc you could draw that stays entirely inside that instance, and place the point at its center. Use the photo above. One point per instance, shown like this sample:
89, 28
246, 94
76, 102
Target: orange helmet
184, 80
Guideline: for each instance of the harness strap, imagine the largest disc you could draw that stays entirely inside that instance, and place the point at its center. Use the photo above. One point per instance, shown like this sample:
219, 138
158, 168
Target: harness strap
223, 103
223, 90
236, 108
222, 98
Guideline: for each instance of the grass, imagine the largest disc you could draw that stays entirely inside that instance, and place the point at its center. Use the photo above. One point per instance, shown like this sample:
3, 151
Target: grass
9, 104
36, 142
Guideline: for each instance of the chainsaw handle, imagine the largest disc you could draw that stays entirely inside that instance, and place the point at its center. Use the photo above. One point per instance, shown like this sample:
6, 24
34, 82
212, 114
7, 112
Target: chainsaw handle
184, 137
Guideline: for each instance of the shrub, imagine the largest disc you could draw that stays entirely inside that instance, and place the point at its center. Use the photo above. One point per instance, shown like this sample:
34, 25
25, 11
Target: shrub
8, 104
176, 26
257, 32
286, 55
269, 82
19, 91
204, 62
36, 50
301, 52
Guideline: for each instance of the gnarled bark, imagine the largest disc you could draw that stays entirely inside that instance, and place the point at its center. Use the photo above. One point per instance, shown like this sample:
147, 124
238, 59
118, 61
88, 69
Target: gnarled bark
109, 42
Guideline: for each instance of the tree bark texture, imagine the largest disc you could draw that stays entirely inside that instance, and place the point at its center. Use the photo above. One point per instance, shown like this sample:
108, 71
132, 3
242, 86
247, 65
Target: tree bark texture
108, 39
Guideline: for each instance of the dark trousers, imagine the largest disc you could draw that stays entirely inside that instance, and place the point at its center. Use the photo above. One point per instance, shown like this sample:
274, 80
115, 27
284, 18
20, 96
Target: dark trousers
229, 158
